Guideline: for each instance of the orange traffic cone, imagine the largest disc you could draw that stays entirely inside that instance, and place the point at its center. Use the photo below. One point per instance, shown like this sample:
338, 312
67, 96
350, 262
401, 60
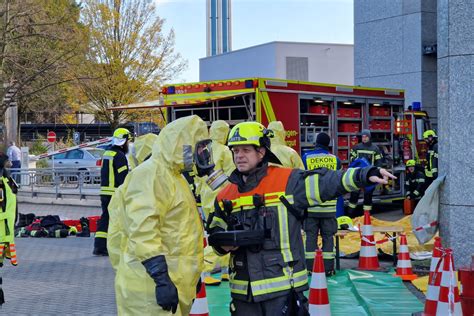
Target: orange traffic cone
318, 290
404, 269
368, 253
448, 302
200, 307
434, 280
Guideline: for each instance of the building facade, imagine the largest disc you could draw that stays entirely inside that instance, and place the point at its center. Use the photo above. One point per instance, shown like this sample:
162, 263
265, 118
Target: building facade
395, 46
316, 62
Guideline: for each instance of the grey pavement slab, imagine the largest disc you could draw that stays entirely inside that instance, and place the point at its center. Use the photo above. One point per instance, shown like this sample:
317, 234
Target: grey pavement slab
58, 277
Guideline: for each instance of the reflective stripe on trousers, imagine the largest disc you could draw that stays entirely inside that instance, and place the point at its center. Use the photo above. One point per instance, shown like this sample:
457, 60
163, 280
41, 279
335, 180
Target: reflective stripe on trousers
268, 286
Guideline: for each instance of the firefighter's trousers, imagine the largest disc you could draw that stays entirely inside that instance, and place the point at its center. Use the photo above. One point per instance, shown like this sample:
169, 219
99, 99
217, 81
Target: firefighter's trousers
326, 228
100, 242
354, 199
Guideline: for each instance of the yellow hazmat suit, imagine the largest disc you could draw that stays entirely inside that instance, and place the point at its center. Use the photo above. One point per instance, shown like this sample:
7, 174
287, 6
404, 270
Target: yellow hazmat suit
140, 149
160, 220
222, 157
287, 155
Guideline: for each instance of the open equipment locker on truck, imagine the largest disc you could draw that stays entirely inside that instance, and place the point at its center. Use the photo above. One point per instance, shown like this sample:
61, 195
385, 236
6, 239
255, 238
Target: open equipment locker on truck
305, 109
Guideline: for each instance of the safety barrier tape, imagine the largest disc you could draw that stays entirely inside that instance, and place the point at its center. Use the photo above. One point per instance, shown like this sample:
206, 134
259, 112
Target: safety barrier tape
432, 224
378, 242
452, 282
88, 144
389, 238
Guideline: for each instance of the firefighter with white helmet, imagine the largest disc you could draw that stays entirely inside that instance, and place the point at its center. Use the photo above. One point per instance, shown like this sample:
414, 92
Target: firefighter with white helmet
113, 172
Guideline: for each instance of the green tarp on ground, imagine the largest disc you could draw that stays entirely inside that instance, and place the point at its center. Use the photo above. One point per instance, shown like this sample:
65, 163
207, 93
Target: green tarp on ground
351, 292
370, 293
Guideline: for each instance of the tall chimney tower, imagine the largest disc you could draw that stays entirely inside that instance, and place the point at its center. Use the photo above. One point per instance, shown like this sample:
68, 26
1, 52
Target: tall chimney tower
218, 26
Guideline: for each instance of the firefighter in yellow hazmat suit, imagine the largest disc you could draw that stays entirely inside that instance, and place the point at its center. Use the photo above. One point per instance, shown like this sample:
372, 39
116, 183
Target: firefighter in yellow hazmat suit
142, 147
288, 156
222, 157
162, 252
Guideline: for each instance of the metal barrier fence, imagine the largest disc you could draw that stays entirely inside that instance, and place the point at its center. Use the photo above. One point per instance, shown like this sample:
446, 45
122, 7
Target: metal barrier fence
58, 181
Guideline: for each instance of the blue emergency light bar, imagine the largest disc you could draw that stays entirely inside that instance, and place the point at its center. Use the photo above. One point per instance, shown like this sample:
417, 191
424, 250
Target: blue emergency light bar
171, 90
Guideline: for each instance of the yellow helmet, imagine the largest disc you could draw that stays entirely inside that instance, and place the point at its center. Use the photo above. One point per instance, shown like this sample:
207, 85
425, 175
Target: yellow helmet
411, 163
429, 133
121, 135
344, 222
247, 133
252, 133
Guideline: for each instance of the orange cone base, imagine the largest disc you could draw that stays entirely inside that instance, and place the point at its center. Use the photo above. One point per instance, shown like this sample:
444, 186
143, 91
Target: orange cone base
406, 277
370, 264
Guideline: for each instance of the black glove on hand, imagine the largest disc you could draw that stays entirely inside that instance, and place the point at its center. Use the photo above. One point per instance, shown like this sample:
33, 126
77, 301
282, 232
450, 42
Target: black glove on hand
198, 286
165, 292
374, 171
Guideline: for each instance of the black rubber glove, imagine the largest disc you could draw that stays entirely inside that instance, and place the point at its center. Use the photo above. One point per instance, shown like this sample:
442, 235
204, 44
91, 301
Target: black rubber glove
374, 171
165, 292
198, 286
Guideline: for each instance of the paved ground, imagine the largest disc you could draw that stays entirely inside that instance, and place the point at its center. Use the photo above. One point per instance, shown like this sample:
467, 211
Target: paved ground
60, 276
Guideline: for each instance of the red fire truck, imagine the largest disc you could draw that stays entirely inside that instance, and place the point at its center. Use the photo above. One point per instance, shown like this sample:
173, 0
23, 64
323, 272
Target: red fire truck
306, 109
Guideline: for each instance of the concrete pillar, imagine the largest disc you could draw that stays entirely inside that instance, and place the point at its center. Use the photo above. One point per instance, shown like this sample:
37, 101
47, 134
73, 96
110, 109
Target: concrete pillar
456, 125
11, 124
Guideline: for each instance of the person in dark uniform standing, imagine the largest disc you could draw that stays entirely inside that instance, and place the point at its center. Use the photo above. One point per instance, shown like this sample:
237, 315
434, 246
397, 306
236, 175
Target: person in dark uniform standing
373, 155
415, 181
431, 168
321, 218
113, 172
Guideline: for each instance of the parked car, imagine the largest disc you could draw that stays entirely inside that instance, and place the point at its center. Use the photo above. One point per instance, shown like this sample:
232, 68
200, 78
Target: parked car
87, 159
79, 158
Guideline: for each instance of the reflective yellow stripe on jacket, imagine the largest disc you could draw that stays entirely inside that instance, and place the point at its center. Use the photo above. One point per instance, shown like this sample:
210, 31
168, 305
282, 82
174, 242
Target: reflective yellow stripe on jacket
429, 170
7, 215
316, 161
374, 155
108, 158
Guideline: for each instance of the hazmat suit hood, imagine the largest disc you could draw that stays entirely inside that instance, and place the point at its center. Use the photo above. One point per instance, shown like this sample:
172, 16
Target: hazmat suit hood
176, 142
141, 149
219, 131
143, 146
287, 156
279, 133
